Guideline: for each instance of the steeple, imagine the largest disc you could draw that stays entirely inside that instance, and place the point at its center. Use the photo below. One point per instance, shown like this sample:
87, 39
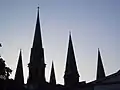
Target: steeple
37, 65
100, 68
71, 76
19, 78
37, 36
52, 76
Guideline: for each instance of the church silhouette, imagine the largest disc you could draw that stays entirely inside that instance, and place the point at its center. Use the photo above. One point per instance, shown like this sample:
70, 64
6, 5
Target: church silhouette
36, 79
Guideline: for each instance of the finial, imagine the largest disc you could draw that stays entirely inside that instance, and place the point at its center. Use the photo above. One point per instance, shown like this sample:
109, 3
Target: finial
52, 62
20, 49
98, 49
69, 32
38, 7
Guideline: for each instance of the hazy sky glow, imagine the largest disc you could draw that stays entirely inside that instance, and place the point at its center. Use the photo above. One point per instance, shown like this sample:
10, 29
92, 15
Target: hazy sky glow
93, 23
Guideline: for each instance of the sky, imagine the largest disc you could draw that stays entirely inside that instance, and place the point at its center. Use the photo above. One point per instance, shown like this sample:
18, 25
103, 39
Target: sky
93, 24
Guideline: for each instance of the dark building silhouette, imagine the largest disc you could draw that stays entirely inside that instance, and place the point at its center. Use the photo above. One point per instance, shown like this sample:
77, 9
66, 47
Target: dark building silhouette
37, 81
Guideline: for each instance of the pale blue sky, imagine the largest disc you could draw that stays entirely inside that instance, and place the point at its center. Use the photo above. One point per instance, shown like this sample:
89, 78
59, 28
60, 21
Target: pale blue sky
93, 23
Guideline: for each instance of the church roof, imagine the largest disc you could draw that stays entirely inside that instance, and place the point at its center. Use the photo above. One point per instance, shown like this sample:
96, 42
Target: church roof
104, 81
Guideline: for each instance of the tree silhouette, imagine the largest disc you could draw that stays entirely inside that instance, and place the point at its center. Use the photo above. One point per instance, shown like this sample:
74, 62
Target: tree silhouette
4, 71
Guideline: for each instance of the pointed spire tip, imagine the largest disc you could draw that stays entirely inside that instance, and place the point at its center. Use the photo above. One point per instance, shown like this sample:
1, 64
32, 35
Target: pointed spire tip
69, 33
52, 61
52, 64
38, 7
98, 49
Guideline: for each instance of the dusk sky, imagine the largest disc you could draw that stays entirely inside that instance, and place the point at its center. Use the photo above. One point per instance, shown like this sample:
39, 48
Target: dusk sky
93, 23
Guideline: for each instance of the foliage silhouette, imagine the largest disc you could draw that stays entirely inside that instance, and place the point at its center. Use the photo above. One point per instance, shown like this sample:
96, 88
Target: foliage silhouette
4, 70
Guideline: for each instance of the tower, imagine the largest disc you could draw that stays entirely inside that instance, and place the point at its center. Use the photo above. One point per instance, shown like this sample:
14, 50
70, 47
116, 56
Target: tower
71, 76
52, 75
100, 68
37, 64
19, 78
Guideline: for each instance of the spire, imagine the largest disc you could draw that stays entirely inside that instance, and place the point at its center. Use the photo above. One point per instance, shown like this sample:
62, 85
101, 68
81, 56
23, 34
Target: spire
100, 68
71, 72
37, 36
37, 54
19, 78
52, 76
37, 65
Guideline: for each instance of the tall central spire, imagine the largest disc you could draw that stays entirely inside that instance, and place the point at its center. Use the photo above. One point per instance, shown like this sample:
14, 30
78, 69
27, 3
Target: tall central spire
71, 76
37, 36
37, 65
